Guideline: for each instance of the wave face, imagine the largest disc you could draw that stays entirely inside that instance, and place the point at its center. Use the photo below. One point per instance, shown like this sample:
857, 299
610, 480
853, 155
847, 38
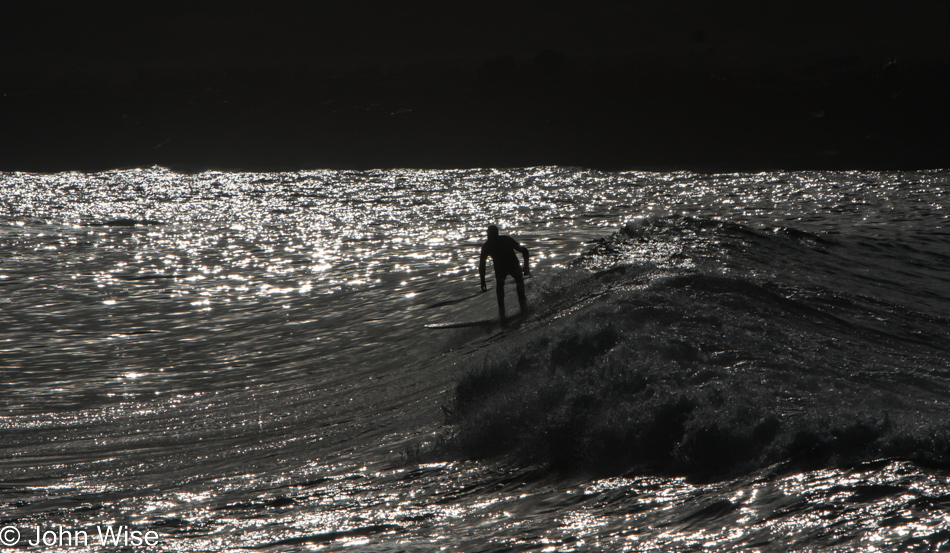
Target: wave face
712, 349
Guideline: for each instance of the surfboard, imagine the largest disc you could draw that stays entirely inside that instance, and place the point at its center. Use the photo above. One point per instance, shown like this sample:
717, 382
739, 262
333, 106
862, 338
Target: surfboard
464, 324
511, 319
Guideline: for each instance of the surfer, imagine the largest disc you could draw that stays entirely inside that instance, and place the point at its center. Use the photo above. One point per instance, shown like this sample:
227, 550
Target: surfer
502, 249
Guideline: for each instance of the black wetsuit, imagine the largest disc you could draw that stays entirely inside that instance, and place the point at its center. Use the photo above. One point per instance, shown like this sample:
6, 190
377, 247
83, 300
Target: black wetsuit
502, 250
504, 258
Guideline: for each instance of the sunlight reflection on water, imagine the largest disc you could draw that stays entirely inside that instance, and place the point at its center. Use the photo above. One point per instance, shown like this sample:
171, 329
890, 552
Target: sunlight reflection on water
199, 351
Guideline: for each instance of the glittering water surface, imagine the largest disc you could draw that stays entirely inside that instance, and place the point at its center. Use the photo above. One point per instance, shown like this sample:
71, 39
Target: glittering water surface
239, 360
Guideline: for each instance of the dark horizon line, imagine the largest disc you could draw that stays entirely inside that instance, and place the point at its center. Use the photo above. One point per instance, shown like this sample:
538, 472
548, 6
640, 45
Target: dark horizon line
715, 168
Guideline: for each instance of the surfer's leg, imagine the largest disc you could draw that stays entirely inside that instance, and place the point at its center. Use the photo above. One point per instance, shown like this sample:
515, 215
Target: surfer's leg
522, 298
500, 291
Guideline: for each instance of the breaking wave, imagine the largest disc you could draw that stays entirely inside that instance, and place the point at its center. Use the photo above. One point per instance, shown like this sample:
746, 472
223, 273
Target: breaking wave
688, 346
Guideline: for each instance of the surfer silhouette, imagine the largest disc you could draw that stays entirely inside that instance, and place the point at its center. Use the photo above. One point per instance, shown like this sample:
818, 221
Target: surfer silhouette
502, 250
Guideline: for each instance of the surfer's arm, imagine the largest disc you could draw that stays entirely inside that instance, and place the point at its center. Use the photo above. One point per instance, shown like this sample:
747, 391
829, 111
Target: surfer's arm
524, 253
481, 268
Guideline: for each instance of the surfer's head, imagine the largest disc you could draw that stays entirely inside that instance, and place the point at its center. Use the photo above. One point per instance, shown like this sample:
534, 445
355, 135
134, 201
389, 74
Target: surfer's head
492, 231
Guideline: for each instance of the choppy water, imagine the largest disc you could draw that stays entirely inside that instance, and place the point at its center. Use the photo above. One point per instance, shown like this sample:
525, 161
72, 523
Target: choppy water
712, 362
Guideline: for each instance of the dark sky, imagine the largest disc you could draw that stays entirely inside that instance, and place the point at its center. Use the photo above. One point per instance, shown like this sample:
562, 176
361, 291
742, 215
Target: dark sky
95, 84
132, 35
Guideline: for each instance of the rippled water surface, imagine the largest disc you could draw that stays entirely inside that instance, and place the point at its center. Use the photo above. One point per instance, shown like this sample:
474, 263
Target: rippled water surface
239, 360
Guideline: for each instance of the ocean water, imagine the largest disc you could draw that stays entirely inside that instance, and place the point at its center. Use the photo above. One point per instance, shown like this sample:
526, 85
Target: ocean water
240, 361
